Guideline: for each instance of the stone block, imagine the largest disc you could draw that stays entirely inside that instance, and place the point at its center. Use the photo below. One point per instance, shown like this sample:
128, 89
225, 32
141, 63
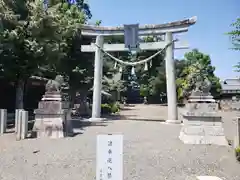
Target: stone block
200, 132
230, 105
49, 125
21, 124
214, 130
51, 117
201, 98
3, 120
17, 118
202, 107
24, 125
200, 94
235, 105
201, 118
49, 107
204, 139
52, 96
202, 124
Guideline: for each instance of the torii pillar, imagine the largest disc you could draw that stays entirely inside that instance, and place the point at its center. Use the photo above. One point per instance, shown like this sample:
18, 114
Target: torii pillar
97, 82
171, 81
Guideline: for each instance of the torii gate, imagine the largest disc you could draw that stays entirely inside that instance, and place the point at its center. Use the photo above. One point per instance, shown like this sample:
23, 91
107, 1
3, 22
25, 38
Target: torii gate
167, 29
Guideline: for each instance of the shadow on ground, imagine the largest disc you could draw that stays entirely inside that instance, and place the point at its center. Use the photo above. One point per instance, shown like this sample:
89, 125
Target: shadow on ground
129, 105
77, 126
132, 118
126, 109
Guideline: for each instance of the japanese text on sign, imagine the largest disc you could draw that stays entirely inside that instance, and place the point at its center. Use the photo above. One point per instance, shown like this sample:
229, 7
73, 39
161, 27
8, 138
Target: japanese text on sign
109, 157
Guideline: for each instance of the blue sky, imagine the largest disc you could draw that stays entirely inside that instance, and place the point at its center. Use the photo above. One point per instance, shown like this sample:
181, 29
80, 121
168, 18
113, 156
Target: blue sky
214, 19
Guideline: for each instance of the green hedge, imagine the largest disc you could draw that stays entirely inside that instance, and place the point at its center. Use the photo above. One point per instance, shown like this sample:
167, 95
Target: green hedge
110, 108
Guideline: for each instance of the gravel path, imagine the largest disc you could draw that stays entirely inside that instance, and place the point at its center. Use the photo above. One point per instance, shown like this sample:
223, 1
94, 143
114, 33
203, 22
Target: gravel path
152, 150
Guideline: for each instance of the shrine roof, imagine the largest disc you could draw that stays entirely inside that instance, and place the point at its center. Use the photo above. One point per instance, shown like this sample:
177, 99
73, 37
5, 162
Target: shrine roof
230, 84
230, 87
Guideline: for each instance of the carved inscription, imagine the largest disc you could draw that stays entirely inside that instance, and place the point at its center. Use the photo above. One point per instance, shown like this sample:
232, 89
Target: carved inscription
202, 107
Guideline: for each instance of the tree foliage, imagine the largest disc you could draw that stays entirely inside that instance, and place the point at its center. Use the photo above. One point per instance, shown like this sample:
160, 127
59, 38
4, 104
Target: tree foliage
235, 34
38, 40
76, 66
151, 76
114, 79
235, 38
196, 63
24, 38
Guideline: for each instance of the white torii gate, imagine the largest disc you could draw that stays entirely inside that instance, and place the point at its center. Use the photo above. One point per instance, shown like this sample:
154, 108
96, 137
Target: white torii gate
167, 29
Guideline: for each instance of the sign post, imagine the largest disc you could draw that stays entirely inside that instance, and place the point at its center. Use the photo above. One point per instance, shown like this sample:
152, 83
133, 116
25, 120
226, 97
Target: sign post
109, 157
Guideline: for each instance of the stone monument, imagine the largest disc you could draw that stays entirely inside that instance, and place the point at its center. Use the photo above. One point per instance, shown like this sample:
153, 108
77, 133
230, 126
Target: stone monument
201, 123
51, 115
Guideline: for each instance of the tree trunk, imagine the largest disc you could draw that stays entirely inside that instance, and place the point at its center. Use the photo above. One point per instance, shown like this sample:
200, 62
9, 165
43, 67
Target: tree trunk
19, 94
84, 108
72, 95
145, 100
118, 95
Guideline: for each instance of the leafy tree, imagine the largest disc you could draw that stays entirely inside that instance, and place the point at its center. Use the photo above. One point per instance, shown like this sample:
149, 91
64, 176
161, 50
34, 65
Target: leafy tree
235, 38
235, 34
36, 38
153, 79
113, 79
77, 67
185, 84
25, 30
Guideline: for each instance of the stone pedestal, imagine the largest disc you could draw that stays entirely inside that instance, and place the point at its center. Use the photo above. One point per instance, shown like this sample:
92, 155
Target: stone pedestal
202, 125
51, 117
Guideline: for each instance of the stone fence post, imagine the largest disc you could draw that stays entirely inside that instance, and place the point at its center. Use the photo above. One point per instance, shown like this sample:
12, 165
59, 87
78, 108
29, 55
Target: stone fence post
21, 124
3, 120
17, 118
68, 129
237, 135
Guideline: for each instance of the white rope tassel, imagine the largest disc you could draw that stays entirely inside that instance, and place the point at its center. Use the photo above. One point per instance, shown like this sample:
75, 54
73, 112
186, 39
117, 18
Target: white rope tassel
145, 66
120, 69
115, 65
133, 71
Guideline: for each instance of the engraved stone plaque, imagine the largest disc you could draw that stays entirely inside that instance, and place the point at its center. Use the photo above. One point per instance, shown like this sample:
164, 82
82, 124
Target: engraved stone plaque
50, 106
202, 107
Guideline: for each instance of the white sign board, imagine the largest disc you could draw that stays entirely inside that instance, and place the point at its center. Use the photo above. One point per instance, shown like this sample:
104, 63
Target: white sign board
109, 157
